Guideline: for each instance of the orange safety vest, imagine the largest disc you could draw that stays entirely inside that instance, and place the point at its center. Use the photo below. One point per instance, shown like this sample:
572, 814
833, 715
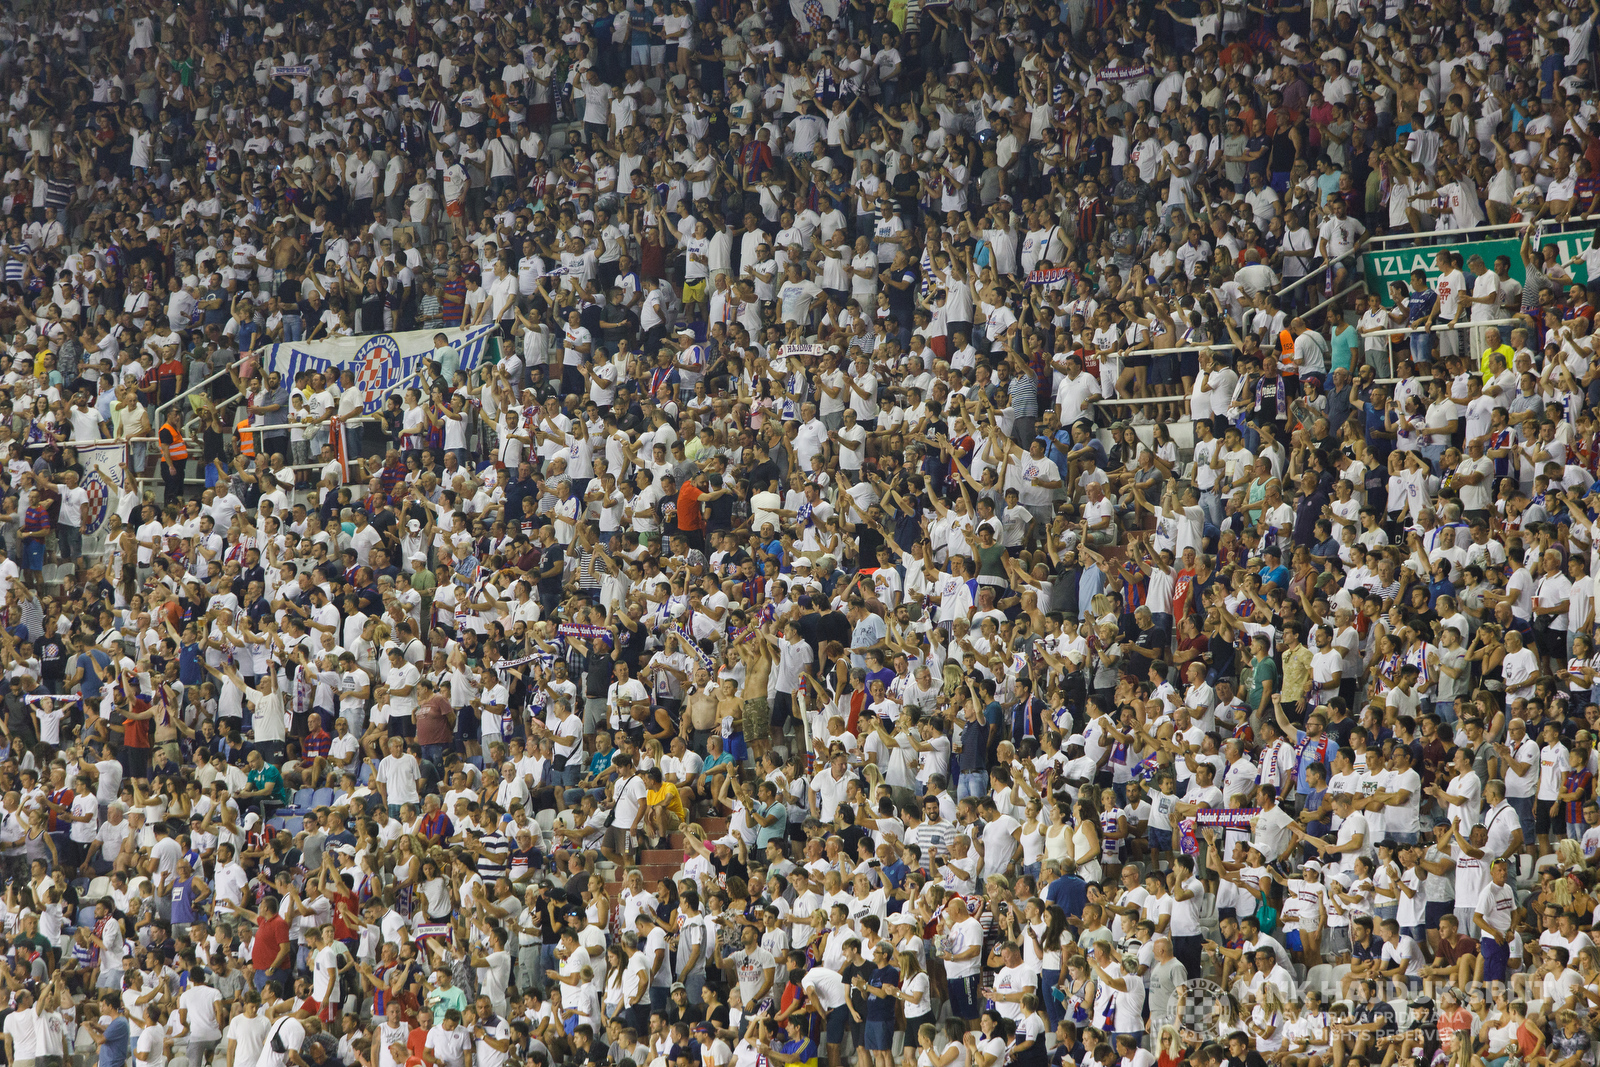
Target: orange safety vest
247, 443
1286, 364
177, 450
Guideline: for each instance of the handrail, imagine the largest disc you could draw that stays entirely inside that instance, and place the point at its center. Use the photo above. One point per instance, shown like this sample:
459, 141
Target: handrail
225, 372
1426, 234
1308, 275
1440, 328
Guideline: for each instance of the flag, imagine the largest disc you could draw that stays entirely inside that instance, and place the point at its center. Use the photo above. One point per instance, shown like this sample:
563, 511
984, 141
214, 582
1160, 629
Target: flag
1147, 769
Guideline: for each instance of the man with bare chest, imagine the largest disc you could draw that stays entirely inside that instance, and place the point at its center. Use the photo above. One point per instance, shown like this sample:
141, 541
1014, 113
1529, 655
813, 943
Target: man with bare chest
702, 717
757, 715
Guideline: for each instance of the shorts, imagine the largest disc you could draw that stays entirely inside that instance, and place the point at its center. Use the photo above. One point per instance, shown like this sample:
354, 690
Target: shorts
694, 292
1436, 910
1552, 642
619, 840
1544, 823
838, 1023
312, 1006
757, 719
964, 998
1162, 369
1335, 941
33, 554
1523, 806
1160, 840
735, 746
1292, 942
880, 1035
456, 209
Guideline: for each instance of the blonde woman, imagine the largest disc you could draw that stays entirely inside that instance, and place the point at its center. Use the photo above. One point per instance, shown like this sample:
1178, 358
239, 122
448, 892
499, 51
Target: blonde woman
1266, 1020
1170, 1050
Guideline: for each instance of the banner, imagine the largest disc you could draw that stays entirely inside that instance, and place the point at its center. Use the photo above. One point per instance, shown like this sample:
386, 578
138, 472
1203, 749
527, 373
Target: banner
380, 362
298, 71
1227, 818
105, 477
1382, 268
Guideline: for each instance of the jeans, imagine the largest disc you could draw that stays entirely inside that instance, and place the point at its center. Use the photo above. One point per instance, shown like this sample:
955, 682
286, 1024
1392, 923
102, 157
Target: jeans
1446, 710
972, 784
1421, 347
1432, 453
435, 753
1523, 806
293, 328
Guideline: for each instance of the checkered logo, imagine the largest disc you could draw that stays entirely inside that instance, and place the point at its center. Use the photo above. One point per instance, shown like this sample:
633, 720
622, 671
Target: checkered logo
94, 512
1194, 1010
377, 366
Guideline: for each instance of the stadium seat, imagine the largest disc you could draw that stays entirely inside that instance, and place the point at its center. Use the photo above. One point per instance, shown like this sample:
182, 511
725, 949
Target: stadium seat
293, 823
98, 887
476, 761
1402, 1013
277, 822
338, 796
364, 775
322, 798
86, 915
1321, 979
546, 820
304, 799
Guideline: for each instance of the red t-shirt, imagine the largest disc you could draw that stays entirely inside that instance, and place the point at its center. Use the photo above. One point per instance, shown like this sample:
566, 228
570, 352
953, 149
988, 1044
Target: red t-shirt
272, 933
136, 732
341, 928
689, 515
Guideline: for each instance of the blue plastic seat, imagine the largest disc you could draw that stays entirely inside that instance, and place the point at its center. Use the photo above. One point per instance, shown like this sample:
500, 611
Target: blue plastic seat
322, 798
304, 799
364, 775
338, 795
278, 822
476, 761
293, 823
86, 915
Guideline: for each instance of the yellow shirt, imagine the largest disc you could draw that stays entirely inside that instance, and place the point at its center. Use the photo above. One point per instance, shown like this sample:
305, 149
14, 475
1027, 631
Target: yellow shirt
1296, 674
669, 793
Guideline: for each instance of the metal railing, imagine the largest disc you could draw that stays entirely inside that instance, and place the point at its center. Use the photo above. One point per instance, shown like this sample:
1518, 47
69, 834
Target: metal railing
1425, 235
1439, 328
1316, 271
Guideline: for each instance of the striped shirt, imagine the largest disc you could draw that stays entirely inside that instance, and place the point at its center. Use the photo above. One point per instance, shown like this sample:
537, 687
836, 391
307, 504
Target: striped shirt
488, 869
933, 838
1024, 396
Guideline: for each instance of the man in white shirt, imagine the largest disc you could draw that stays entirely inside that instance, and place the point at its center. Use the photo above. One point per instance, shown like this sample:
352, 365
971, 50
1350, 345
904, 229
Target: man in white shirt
1495, 914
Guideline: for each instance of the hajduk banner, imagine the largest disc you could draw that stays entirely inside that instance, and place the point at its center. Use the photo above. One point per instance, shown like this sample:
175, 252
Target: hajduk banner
383, 361
105, 478
1227, 818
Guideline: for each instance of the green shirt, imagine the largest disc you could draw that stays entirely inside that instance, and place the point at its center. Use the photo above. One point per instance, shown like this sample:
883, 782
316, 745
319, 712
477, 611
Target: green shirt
1264, 671
442, 1000
269, 775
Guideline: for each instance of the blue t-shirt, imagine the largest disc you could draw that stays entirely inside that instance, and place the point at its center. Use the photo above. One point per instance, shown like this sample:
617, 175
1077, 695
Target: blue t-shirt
115, 1049
1419, 304
91, 681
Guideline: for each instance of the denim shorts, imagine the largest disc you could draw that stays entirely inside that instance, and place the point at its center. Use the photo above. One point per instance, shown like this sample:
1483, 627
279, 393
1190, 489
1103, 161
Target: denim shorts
1160, 840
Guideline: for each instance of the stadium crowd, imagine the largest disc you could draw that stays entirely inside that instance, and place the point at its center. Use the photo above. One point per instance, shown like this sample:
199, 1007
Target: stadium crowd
939, 566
